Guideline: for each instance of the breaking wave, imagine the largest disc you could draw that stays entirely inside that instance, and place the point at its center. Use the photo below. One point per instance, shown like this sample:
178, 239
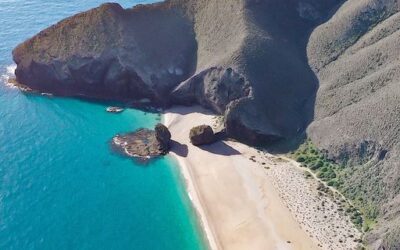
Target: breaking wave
8, 75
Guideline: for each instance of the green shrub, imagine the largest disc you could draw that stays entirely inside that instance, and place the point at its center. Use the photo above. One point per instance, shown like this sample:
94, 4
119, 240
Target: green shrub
332, 175
301, 159
332, 183
357, 220
317, 165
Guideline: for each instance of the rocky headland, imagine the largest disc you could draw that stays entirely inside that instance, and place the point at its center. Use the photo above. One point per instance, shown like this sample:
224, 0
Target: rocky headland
242, 59
275, 69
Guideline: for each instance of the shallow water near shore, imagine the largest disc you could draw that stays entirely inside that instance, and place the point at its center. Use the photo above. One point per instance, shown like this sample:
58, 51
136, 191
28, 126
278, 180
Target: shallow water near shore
61, 186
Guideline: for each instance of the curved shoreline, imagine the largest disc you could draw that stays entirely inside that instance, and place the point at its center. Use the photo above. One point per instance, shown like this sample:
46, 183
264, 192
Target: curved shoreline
236, 206
193, 193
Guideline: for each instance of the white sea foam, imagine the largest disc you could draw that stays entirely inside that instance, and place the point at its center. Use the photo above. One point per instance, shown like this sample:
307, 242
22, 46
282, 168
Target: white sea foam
9, 74
8, 78
11, 69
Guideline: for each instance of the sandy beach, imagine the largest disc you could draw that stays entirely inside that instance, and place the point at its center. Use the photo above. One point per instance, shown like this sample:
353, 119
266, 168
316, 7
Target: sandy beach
237, 206
248, 199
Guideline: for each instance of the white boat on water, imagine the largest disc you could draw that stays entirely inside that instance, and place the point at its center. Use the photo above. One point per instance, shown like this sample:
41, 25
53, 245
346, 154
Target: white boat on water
114, 109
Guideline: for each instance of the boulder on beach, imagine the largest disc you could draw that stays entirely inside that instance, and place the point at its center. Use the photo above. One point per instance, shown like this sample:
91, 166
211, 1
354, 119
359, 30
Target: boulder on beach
202, 135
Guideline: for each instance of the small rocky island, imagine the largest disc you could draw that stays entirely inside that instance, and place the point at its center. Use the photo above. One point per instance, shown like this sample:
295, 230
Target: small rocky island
144, 143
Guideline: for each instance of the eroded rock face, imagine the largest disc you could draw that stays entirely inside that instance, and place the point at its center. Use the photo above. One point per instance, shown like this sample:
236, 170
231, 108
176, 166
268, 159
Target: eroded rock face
163, 136
213, 88
202, 135
241, 122
208, 52
110, 53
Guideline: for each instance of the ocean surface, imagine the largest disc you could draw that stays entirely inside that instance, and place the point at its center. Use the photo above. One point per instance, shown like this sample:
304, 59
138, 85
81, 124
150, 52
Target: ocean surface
61, 187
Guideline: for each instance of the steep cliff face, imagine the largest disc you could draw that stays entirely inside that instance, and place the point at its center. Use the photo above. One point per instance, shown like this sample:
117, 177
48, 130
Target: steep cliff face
112, 53
247, 55
356, 56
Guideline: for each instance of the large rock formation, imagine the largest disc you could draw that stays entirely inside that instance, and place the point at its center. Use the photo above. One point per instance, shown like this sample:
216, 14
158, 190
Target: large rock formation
163, 136
111, 53
144, 143
256, 62
245, 59
202, 135
356, 56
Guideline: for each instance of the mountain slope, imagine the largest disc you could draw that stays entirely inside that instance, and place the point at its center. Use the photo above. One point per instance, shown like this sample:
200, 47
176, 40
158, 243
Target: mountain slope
356, 56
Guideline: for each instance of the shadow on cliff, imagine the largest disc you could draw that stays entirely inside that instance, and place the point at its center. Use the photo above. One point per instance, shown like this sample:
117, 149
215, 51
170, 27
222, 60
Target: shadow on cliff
291, 87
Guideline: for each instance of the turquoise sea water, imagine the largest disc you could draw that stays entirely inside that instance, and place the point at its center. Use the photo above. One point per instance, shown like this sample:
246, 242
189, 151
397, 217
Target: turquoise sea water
60, 185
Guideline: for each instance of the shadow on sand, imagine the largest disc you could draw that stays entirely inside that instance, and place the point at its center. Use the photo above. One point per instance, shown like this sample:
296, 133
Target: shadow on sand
179, 148
220, 148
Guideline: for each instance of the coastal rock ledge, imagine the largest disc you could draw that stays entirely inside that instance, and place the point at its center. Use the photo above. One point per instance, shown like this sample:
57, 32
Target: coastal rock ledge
144, 143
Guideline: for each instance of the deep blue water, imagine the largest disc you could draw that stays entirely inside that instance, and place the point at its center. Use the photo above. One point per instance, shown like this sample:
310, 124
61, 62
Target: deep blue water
60, 185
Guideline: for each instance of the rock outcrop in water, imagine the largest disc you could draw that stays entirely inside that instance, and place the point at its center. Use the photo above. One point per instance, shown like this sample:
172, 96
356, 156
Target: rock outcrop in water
144, 143
244, 59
